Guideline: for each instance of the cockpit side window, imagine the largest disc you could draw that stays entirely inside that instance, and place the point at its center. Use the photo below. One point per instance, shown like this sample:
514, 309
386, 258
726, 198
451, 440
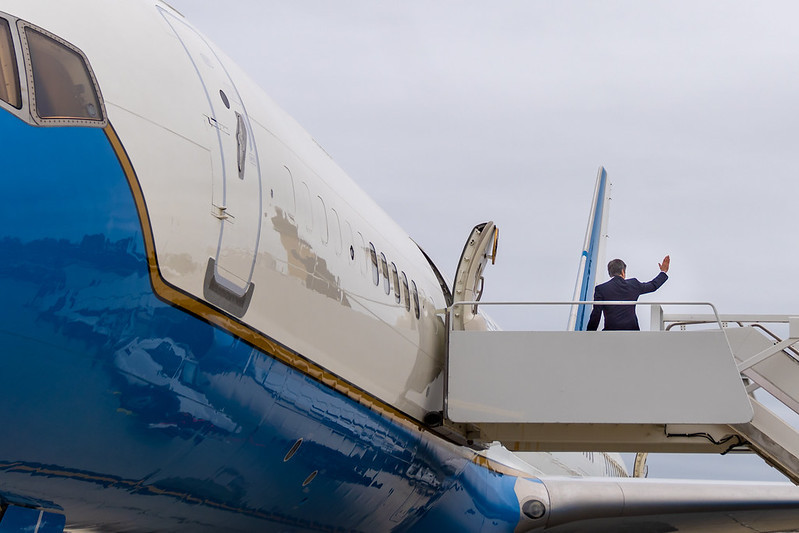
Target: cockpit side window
63, 87
9, 74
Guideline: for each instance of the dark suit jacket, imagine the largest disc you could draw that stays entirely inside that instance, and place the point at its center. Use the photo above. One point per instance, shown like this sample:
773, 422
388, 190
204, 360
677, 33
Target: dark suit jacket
621, 317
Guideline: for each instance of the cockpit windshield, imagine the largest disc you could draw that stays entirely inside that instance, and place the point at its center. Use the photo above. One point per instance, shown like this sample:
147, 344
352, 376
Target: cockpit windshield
62, 84
9, 75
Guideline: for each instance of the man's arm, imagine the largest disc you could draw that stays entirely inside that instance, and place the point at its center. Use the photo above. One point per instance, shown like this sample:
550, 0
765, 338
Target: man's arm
660, 279
596, 313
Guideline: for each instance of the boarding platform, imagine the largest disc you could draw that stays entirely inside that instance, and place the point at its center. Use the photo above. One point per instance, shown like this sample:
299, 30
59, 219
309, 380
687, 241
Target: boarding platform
686, 385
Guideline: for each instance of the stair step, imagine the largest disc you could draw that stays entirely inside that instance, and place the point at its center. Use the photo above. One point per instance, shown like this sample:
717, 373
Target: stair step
769, 435
778, 375
772, 439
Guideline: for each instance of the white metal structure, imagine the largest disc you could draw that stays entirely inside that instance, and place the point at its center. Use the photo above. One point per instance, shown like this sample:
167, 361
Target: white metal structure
661, 390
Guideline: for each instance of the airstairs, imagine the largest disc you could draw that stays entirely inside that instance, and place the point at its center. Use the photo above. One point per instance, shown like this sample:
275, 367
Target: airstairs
687, 385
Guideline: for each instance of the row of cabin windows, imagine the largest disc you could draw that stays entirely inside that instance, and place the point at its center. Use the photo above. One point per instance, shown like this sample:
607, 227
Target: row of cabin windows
313, 212
402, 291
612, 468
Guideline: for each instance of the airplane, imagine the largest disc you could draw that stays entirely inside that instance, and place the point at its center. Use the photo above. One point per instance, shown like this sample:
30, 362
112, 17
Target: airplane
207, 326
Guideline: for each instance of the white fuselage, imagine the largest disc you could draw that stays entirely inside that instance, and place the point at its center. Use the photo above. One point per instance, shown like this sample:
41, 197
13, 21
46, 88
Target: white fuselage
273, 263
308, 247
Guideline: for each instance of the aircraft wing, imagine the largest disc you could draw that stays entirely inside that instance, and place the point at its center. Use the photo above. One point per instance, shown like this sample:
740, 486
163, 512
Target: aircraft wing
590, 505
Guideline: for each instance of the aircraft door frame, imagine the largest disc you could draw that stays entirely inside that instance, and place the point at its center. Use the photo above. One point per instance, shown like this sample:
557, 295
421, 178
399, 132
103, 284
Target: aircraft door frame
236, 198
481, 246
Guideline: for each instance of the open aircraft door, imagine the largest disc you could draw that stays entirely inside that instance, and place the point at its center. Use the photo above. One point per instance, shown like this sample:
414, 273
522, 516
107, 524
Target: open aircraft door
236, 176
481, 247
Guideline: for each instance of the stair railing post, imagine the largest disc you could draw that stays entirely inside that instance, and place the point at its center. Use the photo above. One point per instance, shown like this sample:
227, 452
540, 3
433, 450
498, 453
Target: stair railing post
656, 320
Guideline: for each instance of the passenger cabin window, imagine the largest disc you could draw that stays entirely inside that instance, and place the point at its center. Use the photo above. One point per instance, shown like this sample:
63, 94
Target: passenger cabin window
375, 268
363, 260
62, 84
335, 231
304, 206
320, 219
405, 292
9, 74
415, 291
349, 240
283, 193
386, 279
395, 278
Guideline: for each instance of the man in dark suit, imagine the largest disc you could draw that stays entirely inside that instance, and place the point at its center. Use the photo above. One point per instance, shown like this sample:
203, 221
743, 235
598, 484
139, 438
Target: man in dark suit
622, 317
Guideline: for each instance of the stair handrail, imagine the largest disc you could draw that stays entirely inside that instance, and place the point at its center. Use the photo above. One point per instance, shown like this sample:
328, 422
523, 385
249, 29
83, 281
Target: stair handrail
448, 311
754, 321
776, 338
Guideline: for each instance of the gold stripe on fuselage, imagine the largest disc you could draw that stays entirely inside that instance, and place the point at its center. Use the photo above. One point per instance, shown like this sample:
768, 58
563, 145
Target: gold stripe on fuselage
208, 313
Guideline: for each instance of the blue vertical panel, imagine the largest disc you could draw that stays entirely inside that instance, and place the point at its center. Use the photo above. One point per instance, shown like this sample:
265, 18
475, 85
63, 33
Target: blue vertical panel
591, 254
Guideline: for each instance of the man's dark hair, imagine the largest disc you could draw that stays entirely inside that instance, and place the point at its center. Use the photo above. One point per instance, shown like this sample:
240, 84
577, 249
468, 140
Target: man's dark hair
616, 267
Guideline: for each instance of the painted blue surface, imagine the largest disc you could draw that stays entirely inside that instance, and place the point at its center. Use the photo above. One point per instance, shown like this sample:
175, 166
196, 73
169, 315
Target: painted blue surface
592, 255
186, 427
16, 519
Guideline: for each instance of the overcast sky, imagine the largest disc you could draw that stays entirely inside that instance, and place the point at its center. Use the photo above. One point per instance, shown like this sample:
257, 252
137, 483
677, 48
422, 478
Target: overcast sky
452, 113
